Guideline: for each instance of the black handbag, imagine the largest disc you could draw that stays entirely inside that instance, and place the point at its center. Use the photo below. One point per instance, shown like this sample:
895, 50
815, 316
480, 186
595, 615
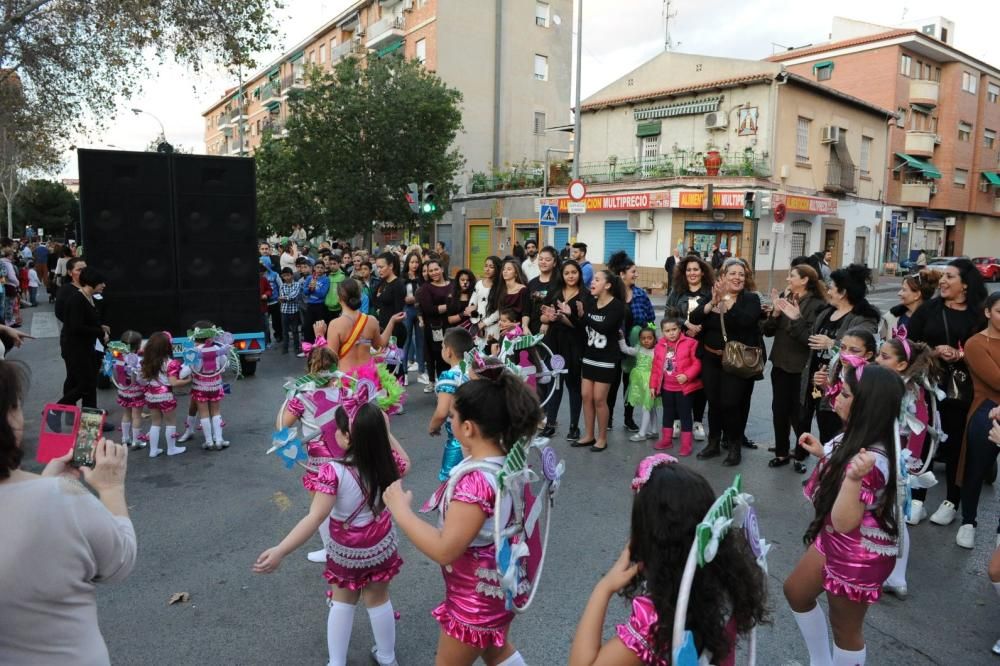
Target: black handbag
957, 383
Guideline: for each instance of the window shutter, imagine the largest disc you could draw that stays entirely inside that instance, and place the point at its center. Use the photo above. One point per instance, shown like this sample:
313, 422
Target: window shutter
648, 129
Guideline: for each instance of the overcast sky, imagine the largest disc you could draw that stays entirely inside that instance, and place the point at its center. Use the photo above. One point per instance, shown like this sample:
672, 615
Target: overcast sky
618, 36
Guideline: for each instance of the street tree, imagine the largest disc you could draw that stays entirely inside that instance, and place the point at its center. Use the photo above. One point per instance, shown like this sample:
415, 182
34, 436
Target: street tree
284, 195
359, 134
46, 204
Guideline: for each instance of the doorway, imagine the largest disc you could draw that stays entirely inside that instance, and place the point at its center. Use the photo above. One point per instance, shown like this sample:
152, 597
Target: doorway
702, 236
479, 246
833, 241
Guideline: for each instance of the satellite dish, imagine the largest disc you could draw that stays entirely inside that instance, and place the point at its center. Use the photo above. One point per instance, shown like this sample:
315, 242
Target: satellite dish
557, 19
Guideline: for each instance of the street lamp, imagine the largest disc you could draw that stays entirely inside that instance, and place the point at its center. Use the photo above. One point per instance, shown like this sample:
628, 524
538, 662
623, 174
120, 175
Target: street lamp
164, 146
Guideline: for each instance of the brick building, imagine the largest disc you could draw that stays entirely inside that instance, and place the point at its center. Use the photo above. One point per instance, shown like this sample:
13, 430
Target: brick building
943, 193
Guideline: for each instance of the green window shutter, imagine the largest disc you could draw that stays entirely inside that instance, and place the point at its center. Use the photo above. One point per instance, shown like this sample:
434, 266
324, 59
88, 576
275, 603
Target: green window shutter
648, 129
822, 64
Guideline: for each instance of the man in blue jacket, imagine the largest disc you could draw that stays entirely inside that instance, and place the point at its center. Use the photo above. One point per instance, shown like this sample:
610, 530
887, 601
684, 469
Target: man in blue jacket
315, 290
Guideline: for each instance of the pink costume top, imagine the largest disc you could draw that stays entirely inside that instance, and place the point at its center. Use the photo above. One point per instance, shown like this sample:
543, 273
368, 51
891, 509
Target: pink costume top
130, 390
675, 358
473, 611
638, 635
363, 546
859, 561
206, 383
319, 422
159, 395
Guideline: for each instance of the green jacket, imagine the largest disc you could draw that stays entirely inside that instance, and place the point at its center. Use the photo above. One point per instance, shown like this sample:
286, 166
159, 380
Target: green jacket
332, 301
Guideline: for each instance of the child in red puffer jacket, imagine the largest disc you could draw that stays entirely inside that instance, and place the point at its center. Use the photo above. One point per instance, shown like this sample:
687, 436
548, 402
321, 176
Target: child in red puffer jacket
674, 378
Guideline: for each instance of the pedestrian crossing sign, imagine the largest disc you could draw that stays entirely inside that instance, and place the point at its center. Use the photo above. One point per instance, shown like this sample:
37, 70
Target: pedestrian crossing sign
548, 215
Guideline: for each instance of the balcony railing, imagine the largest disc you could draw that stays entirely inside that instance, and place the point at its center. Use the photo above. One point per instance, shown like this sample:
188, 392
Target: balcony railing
385, 31
916, 193
924, 92
276, 128
840, 177
297, 79
271, 92
920, 144
341, 51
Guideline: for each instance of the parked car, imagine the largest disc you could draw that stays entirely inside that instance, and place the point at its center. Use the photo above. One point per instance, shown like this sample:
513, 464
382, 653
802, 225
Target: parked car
940, 262
989, 268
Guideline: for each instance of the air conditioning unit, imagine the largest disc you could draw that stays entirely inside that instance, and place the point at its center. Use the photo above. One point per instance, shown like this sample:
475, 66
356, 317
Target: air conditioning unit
716, 120
937, 139
830, 134
933, 188
640, 220
407, 5
500, 222
984, 186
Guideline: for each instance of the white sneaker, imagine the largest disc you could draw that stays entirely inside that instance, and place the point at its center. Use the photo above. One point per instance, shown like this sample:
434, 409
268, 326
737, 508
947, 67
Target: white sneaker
423, 379
412, 367
317, 556
917, 513
699, 432
651, 435
222, 444
996, 648
945, 514
375, 660
176, 450
186, 435
300, 355
966, 537
429, 388
898, 591
637, 437
207, 445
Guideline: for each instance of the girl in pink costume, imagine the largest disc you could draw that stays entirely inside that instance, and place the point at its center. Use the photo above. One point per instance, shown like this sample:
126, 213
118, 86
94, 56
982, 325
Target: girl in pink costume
125, 377
362, 555
674, 377
206, 387
159, 373
728, 597
489, 415
853, 538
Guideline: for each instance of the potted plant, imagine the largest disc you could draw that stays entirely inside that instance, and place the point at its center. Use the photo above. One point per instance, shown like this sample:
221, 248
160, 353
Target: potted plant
629, 172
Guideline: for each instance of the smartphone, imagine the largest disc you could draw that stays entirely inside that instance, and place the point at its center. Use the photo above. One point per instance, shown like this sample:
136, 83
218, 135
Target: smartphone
91, 429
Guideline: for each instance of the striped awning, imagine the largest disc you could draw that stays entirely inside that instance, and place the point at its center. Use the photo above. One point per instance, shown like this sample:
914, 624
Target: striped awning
704, 105
926, 168
993, 177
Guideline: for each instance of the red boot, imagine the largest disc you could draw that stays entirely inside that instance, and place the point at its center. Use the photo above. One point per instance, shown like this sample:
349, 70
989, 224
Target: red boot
687, 442
666, 439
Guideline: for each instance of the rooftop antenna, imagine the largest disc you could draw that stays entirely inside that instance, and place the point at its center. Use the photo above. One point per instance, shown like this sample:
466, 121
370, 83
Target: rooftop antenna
668, 13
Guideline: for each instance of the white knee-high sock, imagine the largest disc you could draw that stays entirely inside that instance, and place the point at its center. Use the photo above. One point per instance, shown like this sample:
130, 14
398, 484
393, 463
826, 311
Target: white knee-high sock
849, 657
338, 632
217, 428
645, 426
384, 630
126, 432
206, 429
154, 441
513, 660
812, 625
898, 576
191, 423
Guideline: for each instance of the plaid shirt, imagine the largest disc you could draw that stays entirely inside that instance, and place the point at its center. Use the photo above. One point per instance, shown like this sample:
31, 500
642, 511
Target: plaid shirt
289, 293
642, 307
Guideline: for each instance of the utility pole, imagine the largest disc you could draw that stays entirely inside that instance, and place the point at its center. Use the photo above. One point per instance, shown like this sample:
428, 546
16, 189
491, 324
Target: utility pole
668, 44
574, 221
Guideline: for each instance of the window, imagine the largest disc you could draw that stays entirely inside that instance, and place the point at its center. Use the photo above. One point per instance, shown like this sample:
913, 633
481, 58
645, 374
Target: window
421, 50
542, 14
928, 29
937, 74
824, 72
961, 178
919, 69
992, 92
989, 138
901, 117
927, 73
802, 140
541, 68
312, 57
905, 62
866, 156
539, 123
322, 53
969, 82
964, 131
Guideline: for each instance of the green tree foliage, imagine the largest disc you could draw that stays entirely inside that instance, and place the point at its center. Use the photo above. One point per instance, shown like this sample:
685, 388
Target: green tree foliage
284, 196
45, 204
360, 133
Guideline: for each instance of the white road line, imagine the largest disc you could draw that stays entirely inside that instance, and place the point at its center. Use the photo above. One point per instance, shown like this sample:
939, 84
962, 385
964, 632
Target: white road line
44, 325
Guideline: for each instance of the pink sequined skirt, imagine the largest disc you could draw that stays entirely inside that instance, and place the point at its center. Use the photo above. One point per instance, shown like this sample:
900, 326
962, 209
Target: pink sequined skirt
207, 396
359, 556
131, 399
161, 399
473, 611
858, 562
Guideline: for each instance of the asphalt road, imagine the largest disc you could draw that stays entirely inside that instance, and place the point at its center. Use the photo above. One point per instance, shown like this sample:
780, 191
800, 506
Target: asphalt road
203, 517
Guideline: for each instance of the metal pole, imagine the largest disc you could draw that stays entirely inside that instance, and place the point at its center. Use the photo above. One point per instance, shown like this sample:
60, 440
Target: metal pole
574, 223
163, 132
545, 182
239, 104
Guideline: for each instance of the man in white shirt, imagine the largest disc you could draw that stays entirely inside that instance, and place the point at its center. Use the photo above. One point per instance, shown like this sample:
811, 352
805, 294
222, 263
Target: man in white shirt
530, 265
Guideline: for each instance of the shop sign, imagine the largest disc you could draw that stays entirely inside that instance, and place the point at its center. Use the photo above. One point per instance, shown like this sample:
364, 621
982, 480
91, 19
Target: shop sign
720, 199
627, 201
795, 203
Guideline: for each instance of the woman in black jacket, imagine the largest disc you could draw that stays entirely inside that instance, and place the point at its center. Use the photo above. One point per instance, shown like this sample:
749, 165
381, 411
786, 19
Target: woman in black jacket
81, 330
945, 323
728, 395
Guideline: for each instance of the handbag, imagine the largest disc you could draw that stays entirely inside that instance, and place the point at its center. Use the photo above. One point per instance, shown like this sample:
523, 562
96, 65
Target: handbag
738, 359
957, 383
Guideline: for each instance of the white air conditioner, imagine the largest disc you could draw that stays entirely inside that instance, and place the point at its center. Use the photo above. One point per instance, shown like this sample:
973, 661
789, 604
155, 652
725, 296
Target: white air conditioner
500, 222
984, 186
937, 139
716, 120
640, 220
407, 5
830, 134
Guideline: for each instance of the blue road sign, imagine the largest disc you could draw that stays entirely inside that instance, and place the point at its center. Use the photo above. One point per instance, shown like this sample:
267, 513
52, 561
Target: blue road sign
548, 215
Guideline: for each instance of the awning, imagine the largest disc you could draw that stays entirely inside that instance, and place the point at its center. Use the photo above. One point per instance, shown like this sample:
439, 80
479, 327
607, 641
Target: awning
926, 168
843, 155
823, 63
296, 56
389, 49
993, 177
648, 129
272, 104
922, 108
705, 105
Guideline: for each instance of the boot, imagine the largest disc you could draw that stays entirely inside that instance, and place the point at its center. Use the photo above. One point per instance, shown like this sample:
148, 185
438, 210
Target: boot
735, 453
630, 423
687, 443
712, 449
666, 440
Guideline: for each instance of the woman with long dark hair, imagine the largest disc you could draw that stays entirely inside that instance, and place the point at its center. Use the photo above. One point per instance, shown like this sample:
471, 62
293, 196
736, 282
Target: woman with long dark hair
727, 393
512, 292
390, 299
639, 313
433, 298
565, 336
604, 316
412, 280
487, 316
691, 289
945, 323
790, 323
915, 290
460, 305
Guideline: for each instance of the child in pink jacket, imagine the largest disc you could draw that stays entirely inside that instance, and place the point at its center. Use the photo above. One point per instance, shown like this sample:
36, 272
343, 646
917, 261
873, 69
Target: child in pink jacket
674, 378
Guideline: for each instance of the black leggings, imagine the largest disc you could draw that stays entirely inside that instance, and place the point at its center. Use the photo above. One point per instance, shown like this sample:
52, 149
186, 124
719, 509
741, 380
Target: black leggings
622, 381
785, 408
432, 355
698, 404
728, 397
828, 422
953, 414
980, 454
676, 407
568, 383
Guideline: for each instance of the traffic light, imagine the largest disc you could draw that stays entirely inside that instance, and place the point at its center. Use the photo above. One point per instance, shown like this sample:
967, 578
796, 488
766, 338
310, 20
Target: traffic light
750, 206
428, 199
764, 199
413, 197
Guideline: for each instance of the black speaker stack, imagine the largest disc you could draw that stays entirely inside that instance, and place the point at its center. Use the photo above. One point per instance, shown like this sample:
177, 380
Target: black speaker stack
174, 236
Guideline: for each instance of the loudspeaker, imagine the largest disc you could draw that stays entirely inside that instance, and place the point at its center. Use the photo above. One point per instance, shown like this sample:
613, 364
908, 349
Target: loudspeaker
145, 312
236, 310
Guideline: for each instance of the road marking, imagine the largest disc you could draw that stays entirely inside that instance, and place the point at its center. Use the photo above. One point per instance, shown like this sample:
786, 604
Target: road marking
44, 325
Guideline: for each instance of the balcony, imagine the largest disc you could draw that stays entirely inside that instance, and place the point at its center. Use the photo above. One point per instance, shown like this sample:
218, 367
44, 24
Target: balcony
341, 51
296, 80
276, 128
238, 115
385, 32
270, 93
916, 194
924, 92
920, 144
840, 177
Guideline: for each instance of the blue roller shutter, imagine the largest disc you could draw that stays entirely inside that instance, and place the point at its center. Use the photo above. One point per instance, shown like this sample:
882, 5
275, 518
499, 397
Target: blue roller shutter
618, 237
561, 237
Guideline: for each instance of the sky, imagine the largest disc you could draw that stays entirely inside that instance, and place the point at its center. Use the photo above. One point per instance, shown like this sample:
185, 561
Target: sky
618, 36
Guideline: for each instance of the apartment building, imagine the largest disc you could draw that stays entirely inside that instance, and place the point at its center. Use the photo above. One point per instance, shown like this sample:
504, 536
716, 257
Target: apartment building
510, 60
943, 190
654, 140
